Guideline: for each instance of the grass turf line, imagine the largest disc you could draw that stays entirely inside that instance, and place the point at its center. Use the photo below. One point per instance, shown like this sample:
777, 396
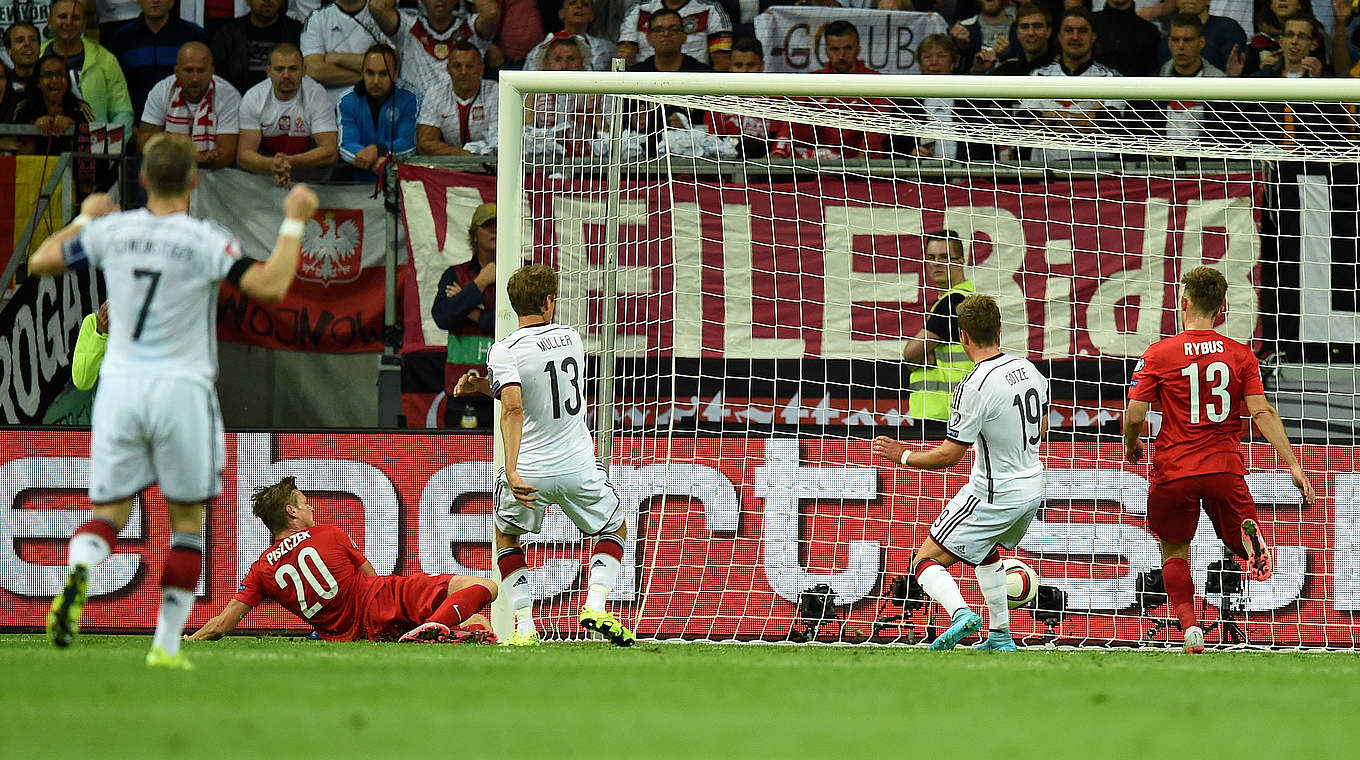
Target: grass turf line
294, 698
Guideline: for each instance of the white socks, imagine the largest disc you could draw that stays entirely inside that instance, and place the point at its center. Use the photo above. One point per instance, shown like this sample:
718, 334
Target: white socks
176, 604
604, 571
992, 580
88, 549
940, 585
516, 585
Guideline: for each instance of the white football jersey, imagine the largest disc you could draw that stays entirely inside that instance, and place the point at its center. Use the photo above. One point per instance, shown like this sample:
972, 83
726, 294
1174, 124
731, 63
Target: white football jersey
462, 121
162, 274
425, 52
999, 409
287, 126
548, 363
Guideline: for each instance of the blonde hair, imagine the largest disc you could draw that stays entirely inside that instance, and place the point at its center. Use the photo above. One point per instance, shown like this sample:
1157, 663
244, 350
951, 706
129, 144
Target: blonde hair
980, 317
169, 163
1206, 289
527, 288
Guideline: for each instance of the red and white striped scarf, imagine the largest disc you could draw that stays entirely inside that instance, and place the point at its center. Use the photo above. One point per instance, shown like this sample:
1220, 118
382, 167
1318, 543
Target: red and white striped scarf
197, 120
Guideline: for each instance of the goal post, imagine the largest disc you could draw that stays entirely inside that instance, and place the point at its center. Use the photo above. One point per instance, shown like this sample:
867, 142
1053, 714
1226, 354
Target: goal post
757, 291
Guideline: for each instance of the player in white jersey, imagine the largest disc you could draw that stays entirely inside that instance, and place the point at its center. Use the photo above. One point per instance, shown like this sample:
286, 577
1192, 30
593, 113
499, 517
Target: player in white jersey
538, 373
1002, 407
156, 418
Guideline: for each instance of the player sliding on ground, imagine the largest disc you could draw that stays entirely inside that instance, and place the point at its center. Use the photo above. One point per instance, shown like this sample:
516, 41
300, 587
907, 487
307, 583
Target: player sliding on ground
538, 373
1002, 406
1203, 380
156, 418
318, 574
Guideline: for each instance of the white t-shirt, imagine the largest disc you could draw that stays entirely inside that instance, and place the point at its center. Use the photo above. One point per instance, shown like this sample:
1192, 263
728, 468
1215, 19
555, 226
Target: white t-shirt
999, 409
223, 118
601, 51
425, 52
462, 121
162, 274
330, 30
701, 21
287, 126
548, 363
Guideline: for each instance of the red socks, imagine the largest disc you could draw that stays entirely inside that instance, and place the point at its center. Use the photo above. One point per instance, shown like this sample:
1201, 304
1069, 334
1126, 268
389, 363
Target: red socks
1180, 591
461, 605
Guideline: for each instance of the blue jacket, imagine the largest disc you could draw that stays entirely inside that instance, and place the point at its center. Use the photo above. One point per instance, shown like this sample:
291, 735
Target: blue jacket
393, 131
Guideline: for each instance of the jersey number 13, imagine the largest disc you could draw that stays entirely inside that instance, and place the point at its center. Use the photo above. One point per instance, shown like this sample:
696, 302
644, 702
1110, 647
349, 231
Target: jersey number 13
1209, 391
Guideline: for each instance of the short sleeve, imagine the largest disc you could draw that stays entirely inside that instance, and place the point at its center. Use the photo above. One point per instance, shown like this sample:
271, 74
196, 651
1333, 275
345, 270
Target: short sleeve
322, 112
1143, 386
252, 107
227, 102
941, 321
501, 369
223, 250
1251, 375
153, 112
347, 545
86, 249
432, 109
965, 419
311, 42
628, 28
251, 592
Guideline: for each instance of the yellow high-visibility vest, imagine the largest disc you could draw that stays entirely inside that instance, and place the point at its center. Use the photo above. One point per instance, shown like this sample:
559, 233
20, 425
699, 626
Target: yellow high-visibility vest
932, 388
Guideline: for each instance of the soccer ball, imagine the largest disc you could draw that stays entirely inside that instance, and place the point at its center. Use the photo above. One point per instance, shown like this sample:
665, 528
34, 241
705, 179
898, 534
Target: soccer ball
1022, 583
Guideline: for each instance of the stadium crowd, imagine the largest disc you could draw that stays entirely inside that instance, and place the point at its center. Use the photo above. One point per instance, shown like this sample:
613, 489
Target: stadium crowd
295, 88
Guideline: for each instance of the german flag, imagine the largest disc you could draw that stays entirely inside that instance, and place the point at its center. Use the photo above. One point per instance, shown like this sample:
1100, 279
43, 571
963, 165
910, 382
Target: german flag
21, 182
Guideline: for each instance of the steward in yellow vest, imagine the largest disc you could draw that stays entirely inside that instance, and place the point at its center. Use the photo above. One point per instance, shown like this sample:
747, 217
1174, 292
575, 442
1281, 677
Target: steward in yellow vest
936, 348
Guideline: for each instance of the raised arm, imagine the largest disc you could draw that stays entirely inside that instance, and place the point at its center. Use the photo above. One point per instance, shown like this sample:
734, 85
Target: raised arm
488, 18
1272, 427
225, 622
50, 259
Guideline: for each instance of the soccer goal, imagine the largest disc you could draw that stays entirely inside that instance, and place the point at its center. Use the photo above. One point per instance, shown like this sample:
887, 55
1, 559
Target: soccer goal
747, 298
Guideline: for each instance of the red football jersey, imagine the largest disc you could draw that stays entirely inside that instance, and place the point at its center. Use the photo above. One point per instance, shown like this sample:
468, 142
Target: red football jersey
1201, 379
314, 574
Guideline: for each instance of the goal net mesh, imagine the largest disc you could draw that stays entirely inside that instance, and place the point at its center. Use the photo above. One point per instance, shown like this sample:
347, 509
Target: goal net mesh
769, 269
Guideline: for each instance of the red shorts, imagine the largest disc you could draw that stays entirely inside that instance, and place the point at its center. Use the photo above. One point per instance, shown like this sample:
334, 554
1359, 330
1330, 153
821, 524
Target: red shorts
398, 603
1173, 508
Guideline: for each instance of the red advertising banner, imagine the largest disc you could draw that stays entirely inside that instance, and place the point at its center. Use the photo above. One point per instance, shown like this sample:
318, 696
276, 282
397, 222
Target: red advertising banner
724, 533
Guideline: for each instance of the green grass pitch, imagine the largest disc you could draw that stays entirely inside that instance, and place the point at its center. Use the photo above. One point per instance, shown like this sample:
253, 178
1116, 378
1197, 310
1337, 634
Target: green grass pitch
289, 698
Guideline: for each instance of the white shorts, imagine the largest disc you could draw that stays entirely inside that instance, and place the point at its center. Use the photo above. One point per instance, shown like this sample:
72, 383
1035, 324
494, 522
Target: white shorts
164, 430
969, 528
587, 498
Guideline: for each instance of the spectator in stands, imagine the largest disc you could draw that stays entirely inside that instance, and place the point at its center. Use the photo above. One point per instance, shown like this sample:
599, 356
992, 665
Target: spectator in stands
334, 39
52, 108
1125, 42
666, 39
465, 305
1345, 36
812, 141
558, 123
9, 100
113, 15
425, 41
198, 104
516, 39
148, 46
96, 77
378, 117
1298, 48
455, 116
1076, 44
1183, 118
983, 40
1034, 32
752, 134
1223, 37
576, 17
23, 45
287, 123
1263, 49
937, 54
710, 41
240, 48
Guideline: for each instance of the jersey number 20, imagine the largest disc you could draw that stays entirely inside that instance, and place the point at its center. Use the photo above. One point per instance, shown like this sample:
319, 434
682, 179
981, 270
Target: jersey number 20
309, 560
1215, 381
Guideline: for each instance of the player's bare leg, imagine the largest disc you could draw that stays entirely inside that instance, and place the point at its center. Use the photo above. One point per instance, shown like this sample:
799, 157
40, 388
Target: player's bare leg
183, 565
465, 598
515, 586
991, 578
604, 573
1180, 593
90, 545
1260, 562
928, 565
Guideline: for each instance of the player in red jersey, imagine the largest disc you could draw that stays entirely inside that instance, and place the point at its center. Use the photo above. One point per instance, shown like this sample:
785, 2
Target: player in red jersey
317, 573
1204, 381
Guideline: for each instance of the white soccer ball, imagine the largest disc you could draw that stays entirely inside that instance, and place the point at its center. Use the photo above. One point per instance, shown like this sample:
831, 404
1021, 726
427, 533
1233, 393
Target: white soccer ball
1022, 583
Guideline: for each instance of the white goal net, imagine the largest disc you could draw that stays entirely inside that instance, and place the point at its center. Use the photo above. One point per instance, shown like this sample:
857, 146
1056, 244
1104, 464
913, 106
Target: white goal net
749, 264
